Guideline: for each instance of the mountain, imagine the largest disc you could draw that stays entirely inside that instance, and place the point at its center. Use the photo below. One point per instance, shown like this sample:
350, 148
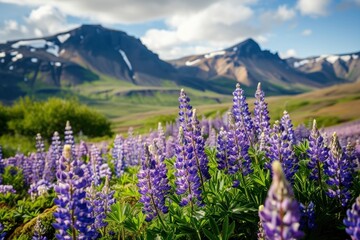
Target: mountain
329, 67
248, 64
95, 62
78, 56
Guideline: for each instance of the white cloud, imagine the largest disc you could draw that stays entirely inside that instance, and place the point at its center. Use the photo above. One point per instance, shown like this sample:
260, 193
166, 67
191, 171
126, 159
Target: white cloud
288, 53
313, 7
214, 27
122, 11
43, 21
284, 13
307, 32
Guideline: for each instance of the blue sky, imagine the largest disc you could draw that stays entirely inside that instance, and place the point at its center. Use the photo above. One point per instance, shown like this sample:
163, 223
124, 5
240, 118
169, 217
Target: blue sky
173, 29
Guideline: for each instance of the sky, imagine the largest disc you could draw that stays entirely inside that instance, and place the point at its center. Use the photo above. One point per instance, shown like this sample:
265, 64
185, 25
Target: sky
172, 29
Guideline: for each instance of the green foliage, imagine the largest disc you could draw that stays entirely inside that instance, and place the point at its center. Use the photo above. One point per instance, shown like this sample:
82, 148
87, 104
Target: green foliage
30, 118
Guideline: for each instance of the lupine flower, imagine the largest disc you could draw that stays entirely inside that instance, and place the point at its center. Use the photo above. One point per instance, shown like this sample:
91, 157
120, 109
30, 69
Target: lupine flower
261, 114
73, 213
161, 137
97, 167
39, 164
2, 165
152, 195
301, 133
198, 144
307, 216
338, 169
69, 138
2, 232
281, 149
52, 159
211, 140
39, 231
237, 149
318, 153
288, 127
83, 150
4, 189
352, 220
185, 112
242, 114
100, 203
221, 151
118, 155
187, 181
280, 216
106, 199
40, 188
170, 147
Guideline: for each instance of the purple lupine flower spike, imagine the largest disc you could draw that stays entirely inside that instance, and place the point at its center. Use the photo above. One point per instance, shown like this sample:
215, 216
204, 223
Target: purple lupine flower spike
352, 220
211, 140
188, 183
4, 189
97, 167
242, 114
118, 155
2, 165
221, 151
73, 213
261, 114
2, 232
39, 164
185, 112
198, 144
52, 159
69, 138
318, 154
237, 149
281, 149
280, 216
288, 127
150, 176
339, 170
307, 216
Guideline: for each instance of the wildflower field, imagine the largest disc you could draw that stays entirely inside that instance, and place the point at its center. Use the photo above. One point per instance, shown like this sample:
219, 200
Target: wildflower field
233, 177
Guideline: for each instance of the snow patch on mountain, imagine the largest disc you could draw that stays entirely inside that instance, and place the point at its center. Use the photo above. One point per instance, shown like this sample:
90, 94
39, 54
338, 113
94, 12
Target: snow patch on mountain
123, 54
63, 37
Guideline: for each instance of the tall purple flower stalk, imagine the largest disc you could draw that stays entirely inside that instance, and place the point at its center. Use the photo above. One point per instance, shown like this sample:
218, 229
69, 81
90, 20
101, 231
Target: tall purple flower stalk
261, 114
352, 220
198, 144
39, 164
152, 177
100, 203
288, 127
185, 112
188, 183
118, 155
307, 216
237, 149
339, 171
280, 215
221, 151
98, 169
73, 213
2, 165
52, 159
69, 138
281, 149
318, 154
242, 114
2, 232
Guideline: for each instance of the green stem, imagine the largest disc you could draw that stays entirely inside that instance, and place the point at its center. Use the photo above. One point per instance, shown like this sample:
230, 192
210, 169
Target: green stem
245, 187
